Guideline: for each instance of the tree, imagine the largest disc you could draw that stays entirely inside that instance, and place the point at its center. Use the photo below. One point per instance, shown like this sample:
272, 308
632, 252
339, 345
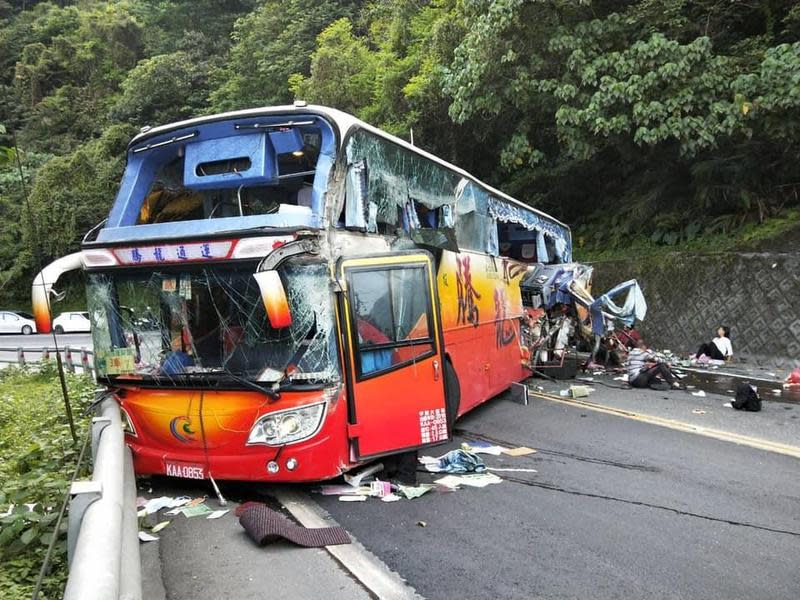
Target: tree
270, 44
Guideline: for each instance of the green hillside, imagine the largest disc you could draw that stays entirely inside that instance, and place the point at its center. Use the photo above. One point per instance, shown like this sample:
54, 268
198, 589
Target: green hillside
644, 124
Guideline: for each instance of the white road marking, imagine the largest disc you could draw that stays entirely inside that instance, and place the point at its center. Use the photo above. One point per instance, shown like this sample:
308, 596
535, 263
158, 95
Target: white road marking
368, 569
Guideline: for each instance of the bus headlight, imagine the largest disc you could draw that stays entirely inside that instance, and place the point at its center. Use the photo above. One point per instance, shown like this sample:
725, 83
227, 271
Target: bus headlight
287, 426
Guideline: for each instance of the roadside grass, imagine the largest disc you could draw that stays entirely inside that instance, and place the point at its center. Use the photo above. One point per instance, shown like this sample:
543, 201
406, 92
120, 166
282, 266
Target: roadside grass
37, 459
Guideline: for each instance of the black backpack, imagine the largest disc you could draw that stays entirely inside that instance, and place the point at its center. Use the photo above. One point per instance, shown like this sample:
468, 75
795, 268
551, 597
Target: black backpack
746, 398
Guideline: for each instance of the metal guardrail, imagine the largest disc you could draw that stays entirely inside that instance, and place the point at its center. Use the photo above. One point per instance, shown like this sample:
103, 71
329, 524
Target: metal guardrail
22, 356
102, 538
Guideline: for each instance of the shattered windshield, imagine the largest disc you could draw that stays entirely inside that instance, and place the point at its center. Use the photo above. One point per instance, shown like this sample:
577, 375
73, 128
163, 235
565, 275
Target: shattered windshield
206, 324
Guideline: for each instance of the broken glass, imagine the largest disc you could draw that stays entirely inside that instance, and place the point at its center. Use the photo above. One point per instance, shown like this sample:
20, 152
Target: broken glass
168, 325
398, 178
476, 229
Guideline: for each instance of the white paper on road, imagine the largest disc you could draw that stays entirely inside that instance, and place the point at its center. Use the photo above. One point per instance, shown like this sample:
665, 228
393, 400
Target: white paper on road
699, 394
478, 480
146, 537
217, 514
156, 504
352, 498
483, 448
391, 498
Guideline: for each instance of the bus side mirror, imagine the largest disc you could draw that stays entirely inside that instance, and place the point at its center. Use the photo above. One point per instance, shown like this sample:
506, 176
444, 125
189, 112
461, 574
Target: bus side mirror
274, 297
43, 286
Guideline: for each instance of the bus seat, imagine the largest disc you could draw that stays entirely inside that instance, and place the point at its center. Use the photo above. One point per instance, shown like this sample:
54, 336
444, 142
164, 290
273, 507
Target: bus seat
375, 360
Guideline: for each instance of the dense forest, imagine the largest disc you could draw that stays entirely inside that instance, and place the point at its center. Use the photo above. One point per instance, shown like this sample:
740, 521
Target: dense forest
645, 124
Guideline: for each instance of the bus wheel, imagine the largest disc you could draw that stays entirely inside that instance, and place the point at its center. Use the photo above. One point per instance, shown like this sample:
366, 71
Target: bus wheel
453, 389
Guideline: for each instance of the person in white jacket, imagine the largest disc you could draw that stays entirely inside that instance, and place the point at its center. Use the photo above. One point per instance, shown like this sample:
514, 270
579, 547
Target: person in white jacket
719, 348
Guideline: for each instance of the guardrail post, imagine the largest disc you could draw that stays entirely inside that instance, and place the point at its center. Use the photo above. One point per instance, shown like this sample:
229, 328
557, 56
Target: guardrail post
85, 359
21, 356
45, 353
98, 425
82, 495
68, 359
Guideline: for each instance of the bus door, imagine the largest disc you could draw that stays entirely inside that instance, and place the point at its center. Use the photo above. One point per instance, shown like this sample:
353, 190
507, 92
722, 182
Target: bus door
394, 353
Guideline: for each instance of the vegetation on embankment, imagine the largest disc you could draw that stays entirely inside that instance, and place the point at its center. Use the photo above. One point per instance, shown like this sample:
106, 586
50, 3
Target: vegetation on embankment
37, 459
656, 124
776, 234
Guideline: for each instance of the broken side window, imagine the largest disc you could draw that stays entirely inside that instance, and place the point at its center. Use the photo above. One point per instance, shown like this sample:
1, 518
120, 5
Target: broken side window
476, 229
404, 192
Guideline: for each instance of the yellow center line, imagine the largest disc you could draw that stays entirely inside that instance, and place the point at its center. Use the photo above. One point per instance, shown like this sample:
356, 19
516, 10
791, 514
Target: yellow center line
726, 436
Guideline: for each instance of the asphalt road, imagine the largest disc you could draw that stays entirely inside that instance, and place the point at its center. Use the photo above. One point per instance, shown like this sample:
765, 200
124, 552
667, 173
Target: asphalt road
618, 509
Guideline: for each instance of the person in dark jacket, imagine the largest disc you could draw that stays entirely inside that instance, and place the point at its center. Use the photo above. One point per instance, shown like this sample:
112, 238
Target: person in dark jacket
644, 370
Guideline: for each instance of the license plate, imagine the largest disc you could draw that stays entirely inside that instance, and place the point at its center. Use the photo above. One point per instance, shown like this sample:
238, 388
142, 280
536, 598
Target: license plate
188, 470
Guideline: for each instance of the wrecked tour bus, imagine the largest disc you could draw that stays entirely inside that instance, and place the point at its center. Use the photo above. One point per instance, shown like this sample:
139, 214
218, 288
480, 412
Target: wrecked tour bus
283, 293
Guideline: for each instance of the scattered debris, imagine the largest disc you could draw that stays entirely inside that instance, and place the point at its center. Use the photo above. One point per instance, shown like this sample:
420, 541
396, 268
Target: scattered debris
422, 523
380, 488
342, 490
480, 447
217, 514
153, 505
478, 480
699, 394
265, 526
356, 478
455, 461
391, 498
728, 404
698, 411
520, 451
198, 510
411, 491
352, 498
159, 526
146, 537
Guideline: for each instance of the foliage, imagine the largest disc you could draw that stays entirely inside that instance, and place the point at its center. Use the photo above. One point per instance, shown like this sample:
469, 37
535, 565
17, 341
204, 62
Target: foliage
641, 122
37, 459
270, 44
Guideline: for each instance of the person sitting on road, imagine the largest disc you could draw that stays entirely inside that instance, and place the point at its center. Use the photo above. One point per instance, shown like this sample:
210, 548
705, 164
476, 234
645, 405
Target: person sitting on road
719, 348
644, 370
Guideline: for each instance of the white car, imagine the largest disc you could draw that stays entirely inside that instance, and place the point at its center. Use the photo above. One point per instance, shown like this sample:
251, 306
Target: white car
72, 322
16, 322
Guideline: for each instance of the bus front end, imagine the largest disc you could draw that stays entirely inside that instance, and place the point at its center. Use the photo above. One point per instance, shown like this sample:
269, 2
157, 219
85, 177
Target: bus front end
209, 383
211, 300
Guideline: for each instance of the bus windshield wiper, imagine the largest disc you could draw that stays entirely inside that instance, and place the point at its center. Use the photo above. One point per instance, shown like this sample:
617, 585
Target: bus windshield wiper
218, 375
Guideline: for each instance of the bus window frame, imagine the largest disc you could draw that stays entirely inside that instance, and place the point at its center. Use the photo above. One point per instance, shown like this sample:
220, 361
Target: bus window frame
434, 339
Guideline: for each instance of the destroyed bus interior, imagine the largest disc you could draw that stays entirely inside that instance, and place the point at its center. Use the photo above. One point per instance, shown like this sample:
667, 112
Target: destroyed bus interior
198, 184
228, 174
395, 190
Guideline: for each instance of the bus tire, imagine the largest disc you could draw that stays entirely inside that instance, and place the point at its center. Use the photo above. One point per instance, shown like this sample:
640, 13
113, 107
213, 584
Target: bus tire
453, 393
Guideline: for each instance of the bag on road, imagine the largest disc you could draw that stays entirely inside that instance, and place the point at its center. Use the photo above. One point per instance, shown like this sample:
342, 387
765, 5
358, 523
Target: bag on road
746, 398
